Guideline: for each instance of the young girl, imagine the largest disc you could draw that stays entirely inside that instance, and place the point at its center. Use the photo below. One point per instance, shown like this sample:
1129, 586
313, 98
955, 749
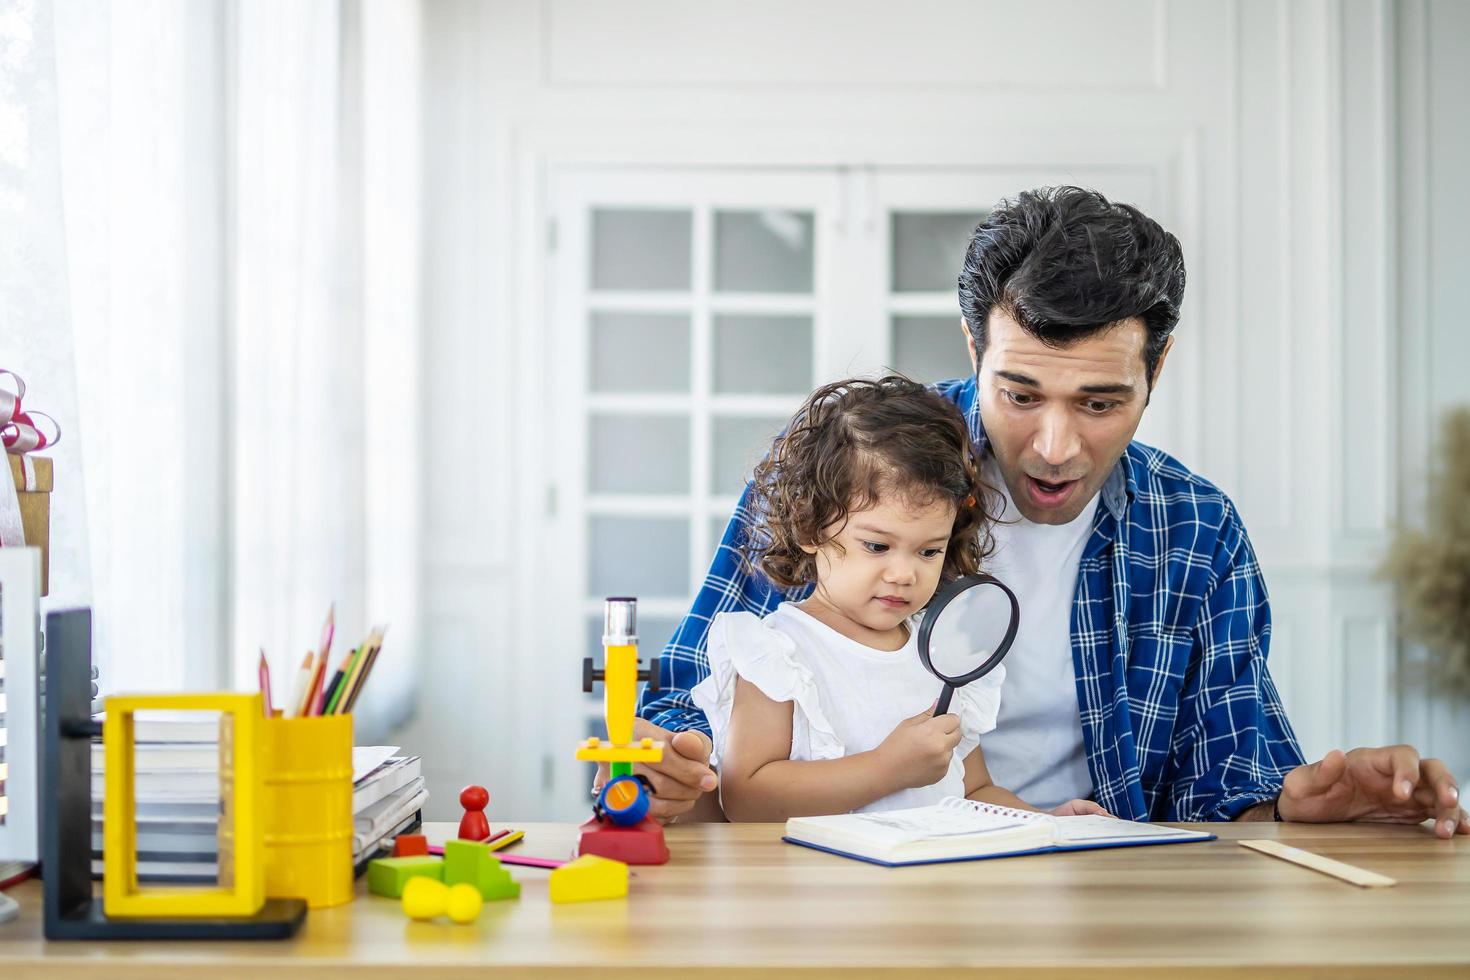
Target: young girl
874, 496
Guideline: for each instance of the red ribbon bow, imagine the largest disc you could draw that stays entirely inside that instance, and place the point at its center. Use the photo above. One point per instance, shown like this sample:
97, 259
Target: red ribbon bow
18, 431
19, 435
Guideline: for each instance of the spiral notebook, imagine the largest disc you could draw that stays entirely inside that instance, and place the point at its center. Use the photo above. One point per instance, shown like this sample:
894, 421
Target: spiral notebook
964, 830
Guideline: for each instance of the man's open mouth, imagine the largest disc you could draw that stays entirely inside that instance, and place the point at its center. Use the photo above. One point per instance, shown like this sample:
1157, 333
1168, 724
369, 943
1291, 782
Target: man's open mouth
1046, 494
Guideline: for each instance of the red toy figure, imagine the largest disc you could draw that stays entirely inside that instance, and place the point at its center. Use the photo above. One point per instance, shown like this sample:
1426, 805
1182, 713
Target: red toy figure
473, 825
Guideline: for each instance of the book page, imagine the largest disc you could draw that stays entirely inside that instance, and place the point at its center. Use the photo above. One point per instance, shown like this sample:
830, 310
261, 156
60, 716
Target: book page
950, 819
930, 822
1095, 829
366, 758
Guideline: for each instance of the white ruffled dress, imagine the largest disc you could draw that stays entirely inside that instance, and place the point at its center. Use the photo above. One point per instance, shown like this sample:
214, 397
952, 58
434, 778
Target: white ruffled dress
847, 697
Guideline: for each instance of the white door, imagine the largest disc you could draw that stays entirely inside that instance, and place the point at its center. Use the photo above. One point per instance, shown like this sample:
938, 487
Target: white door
691, 311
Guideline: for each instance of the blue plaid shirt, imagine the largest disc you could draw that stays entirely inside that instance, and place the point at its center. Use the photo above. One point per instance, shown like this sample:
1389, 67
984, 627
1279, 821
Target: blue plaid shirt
1170, 627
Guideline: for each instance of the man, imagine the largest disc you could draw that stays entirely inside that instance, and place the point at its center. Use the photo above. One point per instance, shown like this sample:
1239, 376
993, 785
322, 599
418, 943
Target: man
1138, 676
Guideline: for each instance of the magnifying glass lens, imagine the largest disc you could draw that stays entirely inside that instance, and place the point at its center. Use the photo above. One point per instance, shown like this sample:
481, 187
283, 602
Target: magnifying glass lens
968, 630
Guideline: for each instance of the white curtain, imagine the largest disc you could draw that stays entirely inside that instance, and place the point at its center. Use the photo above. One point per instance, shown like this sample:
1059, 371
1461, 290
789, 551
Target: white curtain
141, 102
35, 325
323, 487
237, 187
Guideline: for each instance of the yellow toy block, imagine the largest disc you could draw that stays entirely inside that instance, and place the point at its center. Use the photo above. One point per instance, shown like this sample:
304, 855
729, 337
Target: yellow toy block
620, 691
424, 898
588, 879
429, 898
464, 904
645, 750
241, 831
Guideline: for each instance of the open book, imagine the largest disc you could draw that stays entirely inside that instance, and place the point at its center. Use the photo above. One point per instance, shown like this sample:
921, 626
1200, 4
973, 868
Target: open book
964, 830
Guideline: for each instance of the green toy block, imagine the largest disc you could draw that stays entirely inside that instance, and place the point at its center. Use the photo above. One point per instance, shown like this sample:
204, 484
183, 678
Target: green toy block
495, 882
471, 863
387, 876
462, 861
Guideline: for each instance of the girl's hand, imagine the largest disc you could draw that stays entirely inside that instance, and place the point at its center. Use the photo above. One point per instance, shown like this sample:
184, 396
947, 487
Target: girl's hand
680, 780
919, 750
1080, 808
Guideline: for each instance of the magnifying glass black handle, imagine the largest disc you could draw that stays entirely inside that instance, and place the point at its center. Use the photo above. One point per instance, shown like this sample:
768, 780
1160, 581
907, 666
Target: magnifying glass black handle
942, 708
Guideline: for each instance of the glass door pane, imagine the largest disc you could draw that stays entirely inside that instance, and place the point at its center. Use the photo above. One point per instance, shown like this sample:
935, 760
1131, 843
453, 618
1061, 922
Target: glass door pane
738, 443
929, 348
929, 248
762, 354
926, 254
639, 351
640, 249
769, 251
696, 301
638, 454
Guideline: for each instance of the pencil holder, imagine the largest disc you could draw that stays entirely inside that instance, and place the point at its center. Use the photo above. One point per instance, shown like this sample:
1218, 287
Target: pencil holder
308, 809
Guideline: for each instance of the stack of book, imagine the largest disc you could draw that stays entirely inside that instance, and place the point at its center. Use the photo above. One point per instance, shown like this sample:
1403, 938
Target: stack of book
177, 789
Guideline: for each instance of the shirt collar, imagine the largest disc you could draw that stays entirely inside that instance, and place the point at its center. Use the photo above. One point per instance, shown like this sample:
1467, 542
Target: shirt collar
1120, 487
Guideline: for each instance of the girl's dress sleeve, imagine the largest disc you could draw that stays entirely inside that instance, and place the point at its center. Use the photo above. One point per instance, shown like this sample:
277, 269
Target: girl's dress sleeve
741, 644
978, 705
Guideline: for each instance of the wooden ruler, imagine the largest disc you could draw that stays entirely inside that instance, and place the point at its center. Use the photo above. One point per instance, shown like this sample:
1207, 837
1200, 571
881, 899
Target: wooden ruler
1345, 872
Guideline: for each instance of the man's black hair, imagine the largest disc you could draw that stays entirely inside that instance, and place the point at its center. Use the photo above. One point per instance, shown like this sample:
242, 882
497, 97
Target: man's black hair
1066, 263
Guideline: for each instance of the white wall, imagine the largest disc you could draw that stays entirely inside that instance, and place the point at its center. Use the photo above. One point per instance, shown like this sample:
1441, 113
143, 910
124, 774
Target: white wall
1433, 204
1270, 127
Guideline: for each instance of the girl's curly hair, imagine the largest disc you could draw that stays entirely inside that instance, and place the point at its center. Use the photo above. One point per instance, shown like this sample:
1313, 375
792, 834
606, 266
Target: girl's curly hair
850, 442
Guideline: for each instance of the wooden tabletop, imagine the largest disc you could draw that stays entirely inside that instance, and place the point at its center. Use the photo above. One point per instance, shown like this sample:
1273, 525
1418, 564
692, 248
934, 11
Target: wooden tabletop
735, 901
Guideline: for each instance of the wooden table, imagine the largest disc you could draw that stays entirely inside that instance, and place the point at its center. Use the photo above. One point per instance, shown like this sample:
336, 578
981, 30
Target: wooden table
735, 901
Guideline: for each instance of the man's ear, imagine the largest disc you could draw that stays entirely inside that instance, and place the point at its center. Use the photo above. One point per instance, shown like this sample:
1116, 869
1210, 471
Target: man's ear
1159, 367
970, 346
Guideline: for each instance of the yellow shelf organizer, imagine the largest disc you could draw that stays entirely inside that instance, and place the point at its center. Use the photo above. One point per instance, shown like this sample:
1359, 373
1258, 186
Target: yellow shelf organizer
241, 888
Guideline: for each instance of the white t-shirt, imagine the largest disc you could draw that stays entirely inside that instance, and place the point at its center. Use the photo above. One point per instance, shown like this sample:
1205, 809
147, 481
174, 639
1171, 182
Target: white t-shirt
1036, 750
847, 697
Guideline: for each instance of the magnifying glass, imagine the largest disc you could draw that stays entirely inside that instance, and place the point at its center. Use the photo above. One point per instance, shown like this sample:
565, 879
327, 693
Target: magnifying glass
967, 631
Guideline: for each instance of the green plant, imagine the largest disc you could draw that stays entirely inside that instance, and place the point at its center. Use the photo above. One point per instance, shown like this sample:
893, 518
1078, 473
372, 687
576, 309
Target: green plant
1430, 568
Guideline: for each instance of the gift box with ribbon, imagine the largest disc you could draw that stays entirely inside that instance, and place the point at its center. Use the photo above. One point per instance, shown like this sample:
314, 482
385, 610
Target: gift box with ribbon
25, 498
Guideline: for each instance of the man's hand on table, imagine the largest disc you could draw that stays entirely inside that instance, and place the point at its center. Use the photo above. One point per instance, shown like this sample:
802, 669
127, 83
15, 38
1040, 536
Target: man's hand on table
1384, 785
680, 780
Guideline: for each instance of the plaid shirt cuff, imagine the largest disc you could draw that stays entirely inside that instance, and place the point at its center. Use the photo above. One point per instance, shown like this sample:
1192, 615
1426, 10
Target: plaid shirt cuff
1234, 805
682, 720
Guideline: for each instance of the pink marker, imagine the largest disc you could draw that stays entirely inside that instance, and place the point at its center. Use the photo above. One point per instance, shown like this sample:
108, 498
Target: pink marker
518, 859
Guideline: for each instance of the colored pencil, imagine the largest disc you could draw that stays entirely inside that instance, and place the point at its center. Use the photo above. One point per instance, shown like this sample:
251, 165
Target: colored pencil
329, 629
313, 692
295, 706
265, 682
504, 839
354, 676
330, 691
304, 708
369, 657
529, 862
338, 689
